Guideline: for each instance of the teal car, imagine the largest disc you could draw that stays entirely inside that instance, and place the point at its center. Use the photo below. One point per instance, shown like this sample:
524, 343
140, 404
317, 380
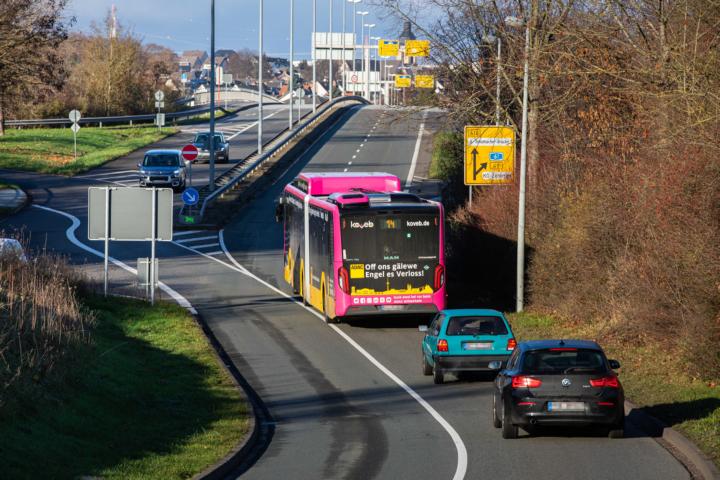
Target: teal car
467, 340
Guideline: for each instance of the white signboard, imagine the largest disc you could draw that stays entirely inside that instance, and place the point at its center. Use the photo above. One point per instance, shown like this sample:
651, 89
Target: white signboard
324, 40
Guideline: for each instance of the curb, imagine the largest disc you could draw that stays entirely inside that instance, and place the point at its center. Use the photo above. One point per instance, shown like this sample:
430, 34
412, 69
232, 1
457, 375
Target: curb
679, 446
25, 201
240, 458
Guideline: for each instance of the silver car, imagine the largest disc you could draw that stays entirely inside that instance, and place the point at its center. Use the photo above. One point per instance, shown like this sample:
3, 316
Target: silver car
162, 168
222, 147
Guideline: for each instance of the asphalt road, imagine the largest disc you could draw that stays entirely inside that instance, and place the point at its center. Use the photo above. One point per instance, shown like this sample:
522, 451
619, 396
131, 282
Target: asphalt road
345, 401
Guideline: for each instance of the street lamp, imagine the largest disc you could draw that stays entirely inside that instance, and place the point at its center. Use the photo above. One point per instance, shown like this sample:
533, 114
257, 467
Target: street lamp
367, 62
211, 185
314, 56
330, 83
362, 41
290, 81
354, 2
376, 61
490, 39
260, 81
516, 22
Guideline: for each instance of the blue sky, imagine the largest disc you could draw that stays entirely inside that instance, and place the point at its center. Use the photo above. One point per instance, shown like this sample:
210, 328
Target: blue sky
185, 24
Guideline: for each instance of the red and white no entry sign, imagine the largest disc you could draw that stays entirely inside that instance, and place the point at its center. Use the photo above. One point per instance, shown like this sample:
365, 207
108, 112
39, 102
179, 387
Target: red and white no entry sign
354, 79
189, 152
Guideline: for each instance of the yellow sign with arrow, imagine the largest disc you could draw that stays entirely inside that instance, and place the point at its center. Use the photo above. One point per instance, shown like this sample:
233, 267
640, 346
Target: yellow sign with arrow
489, 155
388, 48
417, 48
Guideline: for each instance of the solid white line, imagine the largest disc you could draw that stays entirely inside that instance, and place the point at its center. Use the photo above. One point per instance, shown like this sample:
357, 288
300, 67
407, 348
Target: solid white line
70, 234
251, 125
413, 164
186, 232
206, 245
218, 252
197, 239
459, 445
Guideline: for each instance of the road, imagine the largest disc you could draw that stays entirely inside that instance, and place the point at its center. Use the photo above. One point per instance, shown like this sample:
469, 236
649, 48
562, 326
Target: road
345, 401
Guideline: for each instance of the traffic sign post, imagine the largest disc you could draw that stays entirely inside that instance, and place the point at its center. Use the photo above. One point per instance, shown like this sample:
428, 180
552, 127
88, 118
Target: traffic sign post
159, 103
489, 155
74, 117
189, 153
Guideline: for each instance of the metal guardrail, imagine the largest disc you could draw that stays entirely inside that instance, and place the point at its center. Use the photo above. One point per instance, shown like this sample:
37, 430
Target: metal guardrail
116, 119
270, 152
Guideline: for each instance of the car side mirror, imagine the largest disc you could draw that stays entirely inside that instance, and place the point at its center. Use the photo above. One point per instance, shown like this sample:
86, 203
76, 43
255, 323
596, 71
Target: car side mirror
423, 328
495, 365
614, 364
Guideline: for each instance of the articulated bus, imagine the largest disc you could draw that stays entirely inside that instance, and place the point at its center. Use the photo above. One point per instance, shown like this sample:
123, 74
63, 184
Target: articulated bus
355, 244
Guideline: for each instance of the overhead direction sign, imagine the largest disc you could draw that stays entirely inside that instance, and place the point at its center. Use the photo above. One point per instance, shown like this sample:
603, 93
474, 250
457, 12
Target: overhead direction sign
388, 48
189, 152
403, 81
489, 155
424, 81
417, 48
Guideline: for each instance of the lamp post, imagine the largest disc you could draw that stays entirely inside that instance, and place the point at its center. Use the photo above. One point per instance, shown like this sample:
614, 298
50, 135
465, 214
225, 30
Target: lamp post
314, 56
342, 55
375, 57
260, 81
290, 81
367, 62
211, 184
330, 82
490, 39
362, 42
354, 2
516, 22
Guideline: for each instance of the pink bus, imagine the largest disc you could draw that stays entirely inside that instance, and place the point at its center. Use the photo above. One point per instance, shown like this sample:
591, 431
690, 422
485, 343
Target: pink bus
355, 244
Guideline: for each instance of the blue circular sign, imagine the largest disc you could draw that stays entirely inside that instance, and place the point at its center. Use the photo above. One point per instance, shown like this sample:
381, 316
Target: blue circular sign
190, 196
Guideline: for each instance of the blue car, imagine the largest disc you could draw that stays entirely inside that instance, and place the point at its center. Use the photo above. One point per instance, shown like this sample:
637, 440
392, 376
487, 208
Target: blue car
467, 340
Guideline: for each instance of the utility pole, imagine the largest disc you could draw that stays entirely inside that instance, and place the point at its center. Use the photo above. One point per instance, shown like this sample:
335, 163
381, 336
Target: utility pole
211, 185
342, 56
260, 81
330, 82
367, 61
290, 82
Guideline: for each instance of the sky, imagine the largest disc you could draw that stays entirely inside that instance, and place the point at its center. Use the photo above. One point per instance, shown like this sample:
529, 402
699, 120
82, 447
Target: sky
185, 24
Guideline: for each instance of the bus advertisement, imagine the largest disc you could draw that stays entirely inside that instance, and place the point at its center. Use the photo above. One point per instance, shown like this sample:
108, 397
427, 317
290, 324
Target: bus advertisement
355, 244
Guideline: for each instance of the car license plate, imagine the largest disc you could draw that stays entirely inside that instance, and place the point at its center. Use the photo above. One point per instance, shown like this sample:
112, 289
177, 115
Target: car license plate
566, 407
477, 346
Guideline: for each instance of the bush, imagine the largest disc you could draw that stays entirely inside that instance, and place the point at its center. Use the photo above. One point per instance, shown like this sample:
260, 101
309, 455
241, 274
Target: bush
447, 164
41, 323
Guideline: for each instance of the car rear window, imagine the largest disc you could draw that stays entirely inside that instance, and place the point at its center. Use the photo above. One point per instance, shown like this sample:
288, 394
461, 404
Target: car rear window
161, 160
564, 360
476, 325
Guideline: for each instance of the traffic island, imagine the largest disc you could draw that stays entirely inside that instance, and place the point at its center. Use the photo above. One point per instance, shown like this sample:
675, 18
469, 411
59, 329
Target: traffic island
12, 199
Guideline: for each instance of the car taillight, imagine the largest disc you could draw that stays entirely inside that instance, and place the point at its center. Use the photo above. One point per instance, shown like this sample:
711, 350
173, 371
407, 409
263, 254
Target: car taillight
442, 345
522, 381
343, 280
610, 381
511, 344
439, 277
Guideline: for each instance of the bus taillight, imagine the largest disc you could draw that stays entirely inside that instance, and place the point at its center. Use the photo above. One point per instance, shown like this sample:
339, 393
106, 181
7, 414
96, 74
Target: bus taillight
343, 280
439, 277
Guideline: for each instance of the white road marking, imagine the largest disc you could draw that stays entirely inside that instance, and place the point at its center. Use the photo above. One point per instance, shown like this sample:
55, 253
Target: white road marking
354, 156
206, 245
70, 234
413, 164
349, 163
186, 232
197, 239
357, 151
457, 441
251, 125
106, 174
218, 252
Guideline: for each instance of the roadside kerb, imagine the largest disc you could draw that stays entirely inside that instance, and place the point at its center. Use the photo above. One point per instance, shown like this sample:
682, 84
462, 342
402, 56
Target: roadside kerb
12, 200
279, 143
679, 446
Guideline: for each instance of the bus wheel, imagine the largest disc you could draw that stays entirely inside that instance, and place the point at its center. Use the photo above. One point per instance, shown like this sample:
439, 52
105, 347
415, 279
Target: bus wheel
325, 310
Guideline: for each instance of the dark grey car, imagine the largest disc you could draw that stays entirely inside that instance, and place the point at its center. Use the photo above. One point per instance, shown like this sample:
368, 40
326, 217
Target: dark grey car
162, 168
222, 147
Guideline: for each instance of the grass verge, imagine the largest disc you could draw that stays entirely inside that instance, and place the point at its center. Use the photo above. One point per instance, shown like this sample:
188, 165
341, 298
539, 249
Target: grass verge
147, 400
50, 150
652, 377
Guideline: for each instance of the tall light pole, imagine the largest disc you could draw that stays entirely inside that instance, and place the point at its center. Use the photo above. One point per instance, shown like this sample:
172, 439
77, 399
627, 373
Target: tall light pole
330, 82
314, 56
362, 43
354, 2
520, 280
367, 62
342, 56
377, 62
211, 185
260, 80
290, 81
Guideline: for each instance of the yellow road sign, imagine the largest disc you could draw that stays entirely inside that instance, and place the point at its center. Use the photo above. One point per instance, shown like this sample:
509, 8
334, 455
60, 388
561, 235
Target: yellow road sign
424, 81
417, 48
489, 155
388, 48
402, 81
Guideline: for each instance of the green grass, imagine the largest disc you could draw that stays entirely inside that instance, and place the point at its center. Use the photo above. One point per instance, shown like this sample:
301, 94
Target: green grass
651, 375
50, 150
148, 400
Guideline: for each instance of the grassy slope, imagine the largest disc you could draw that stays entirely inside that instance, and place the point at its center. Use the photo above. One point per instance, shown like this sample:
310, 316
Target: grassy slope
50, 150
148, 401
651, 376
